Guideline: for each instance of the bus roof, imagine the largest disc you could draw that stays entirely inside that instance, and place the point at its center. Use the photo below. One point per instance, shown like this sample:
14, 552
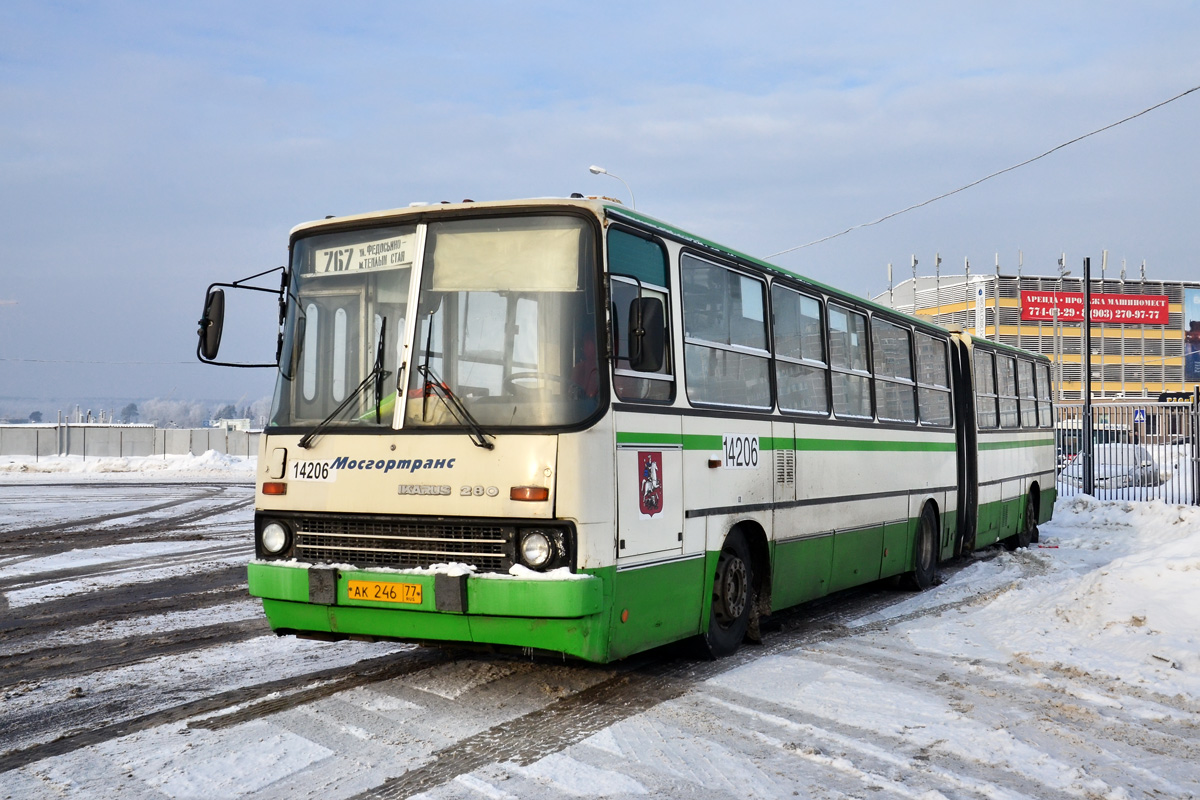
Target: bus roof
416, 211
614, 209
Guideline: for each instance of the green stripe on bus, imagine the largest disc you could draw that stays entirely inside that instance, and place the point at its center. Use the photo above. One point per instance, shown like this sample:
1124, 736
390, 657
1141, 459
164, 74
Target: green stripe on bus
713, 442
624, 437
872, 445
1013, 443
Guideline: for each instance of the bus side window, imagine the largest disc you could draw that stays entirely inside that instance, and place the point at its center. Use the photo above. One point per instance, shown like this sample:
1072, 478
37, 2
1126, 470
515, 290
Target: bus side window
801, 373
895, 390
646, 260
1029, 416
985, 390
726, 360
848, 358
1045, 411
933, 381
1006, 388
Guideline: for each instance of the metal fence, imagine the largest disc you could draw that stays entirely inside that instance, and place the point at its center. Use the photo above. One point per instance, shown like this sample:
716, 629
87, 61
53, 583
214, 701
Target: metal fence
1142, 451
94, 440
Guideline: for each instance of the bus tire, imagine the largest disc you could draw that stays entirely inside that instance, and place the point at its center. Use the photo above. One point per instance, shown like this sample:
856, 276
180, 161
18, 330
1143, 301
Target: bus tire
732, 598
924, 552
1028, 532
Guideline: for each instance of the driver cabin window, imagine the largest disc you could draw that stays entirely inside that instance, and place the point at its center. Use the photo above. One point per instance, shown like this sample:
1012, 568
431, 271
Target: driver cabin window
638, 264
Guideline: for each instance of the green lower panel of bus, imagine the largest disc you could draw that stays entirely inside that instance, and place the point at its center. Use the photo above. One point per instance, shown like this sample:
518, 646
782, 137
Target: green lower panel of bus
601, 616
999, 520
1048, 499
654, 605
805, 569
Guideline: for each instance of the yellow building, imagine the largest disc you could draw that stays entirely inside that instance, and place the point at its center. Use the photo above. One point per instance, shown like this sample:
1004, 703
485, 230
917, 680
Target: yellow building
1044, 315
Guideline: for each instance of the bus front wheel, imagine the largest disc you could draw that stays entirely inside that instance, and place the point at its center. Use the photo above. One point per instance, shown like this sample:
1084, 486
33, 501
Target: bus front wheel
732, 598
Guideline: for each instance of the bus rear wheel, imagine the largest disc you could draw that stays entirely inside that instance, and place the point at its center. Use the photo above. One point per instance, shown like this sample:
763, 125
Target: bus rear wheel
732, 598
924, 552
1028, 533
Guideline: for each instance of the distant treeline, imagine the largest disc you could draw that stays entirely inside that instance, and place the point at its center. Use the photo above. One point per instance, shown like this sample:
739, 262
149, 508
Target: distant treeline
163, 413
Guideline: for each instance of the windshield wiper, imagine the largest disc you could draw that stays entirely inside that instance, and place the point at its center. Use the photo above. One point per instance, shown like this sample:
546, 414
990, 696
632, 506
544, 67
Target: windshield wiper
434, 385
377, 374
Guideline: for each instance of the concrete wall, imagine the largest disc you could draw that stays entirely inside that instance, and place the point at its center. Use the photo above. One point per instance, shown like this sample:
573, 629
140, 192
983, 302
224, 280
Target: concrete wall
114, 441
28, 440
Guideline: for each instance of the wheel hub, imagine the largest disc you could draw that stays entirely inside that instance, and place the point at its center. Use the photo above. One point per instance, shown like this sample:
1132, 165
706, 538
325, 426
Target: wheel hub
732, 590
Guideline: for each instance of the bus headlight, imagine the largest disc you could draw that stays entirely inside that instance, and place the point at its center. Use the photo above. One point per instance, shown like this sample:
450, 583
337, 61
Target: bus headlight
536, 548
274, 538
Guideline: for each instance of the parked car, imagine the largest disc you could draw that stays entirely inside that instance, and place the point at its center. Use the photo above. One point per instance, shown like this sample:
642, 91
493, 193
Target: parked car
1116, 466
1068, 435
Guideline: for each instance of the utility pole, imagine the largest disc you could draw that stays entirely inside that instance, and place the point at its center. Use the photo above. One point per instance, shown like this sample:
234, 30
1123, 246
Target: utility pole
1142, 328
1089, 483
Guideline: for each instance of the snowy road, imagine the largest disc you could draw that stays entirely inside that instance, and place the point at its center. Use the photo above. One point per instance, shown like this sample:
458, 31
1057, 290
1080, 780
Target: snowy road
133, 665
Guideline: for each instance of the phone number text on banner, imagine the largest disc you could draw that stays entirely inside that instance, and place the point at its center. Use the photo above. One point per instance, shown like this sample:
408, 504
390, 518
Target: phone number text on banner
1127, 309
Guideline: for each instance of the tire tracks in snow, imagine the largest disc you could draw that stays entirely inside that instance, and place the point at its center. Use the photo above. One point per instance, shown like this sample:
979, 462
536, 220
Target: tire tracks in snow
641, 683
278, 694
123, 602
50, 539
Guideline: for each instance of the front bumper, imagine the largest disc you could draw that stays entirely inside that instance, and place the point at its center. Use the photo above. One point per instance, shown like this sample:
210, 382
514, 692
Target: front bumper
545, 614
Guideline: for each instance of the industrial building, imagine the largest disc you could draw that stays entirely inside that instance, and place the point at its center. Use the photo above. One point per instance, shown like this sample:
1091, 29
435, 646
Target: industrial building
1145, 333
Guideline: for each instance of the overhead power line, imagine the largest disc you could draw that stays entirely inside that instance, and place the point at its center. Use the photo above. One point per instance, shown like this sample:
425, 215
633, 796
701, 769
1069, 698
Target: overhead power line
986, 177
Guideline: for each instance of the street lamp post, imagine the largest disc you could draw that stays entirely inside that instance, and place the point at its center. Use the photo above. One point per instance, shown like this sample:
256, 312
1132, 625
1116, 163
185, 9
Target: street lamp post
602, 171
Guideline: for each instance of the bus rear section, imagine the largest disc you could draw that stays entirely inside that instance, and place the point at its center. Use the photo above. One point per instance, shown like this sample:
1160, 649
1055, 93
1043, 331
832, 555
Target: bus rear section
1007, 451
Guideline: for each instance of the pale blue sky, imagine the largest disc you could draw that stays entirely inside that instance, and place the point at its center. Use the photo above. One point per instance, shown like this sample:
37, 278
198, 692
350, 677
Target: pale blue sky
148, 149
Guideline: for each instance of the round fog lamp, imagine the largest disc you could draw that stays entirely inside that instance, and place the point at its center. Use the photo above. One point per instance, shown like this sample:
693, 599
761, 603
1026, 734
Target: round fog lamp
274, 538
536, 549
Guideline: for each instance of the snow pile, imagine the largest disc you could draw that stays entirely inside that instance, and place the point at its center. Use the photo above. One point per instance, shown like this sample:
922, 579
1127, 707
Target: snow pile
1115, 597
210, 462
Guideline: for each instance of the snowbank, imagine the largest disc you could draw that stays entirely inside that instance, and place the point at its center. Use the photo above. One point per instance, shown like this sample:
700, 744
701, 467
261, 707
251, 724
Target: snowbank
211, 463
1112, 595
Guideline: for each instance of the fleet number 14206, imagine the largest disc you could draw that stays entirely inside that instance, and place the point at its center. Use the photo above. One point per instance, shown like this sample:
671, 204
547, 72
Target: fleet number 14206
740, 451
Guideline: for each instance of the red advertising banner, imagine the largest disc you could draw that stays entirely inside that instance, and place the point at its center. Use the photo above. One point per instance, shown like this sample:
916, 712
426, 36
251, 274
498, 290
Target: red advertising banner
1121, 309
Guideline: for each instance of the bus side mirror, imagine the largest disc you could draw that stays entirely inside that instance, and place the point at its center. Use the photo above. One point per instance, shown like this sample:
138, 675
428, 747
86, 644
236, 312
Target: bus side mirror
647, 334
211, 323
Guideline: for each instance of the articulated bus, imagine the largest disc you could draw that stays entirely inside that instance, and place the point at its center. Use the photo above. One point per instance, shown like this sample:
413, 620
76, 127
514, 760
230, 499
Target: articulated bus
561, 426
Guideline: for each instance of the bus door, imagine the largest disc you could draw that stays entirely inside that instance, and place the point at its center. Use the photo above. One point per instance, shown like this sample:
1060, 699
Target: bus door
650, 442
649, 487
966, 443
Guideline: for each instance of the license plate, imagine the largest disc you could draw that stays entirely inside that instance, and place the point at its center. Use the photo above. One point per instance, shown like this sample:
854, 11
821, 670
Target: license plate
322, 471
384, 592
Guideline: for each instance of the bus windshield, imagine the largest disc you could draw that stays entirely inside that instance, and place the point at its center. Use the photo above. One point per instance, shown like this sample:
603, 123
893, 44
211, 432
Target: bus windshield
507, 322
505, 328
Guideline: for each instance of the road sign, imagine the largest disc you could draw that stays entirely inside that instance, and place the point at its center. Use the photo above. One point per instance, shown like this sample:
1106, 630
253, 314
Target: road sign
1139, 415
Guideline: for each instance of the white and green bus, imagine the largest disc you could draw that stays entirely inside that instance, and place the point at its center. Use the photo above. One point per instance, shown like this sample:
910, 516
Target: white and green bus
563, 426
